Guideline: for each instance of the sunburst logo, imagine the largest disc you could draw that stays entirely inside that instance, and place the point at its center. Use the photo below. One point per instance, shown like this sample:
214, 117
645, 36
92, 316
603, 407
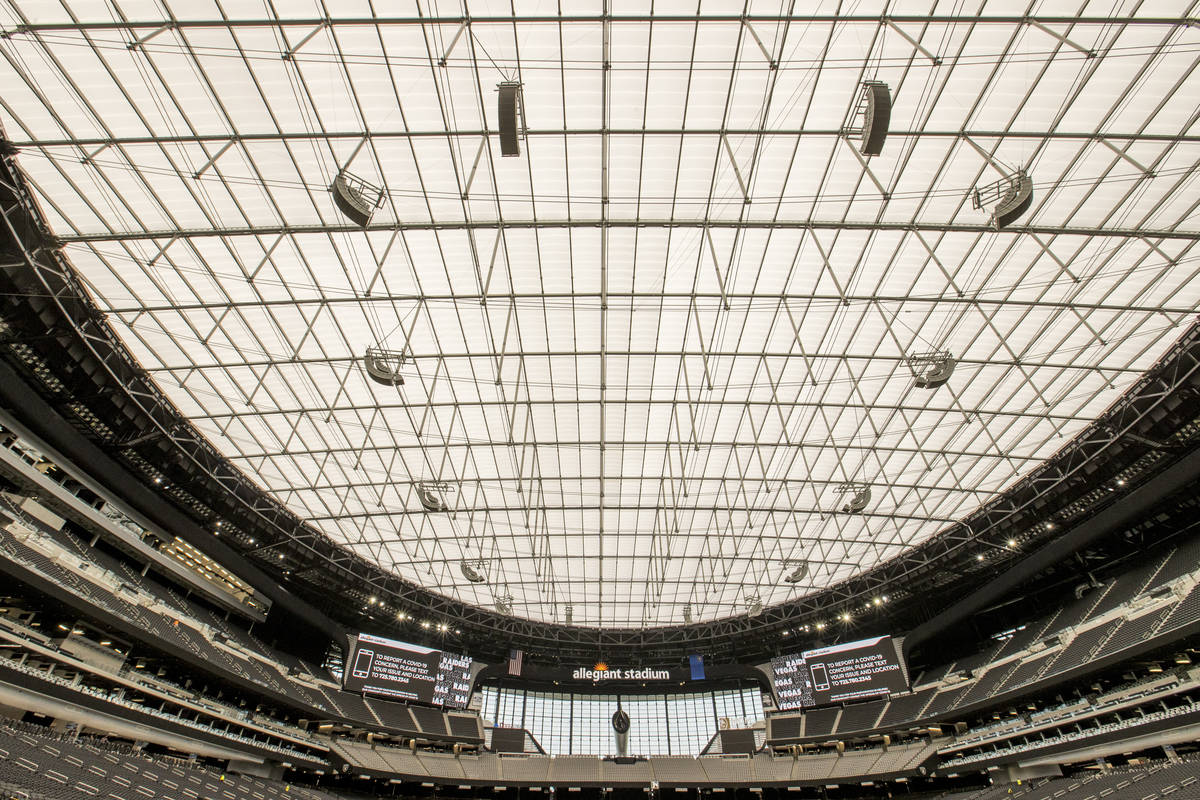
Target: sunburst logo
600, 666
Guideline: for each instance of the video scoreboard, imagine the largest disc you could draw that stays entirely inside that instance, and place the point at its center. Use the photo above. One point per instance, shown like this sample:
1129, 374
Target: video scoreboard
840, 673
403, 671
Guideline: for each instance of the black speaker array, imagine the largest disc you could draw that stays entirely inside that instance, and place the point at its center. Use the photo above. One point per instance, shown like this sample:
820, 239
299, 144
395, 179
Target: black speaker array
510, 140
877, 117
1016, 200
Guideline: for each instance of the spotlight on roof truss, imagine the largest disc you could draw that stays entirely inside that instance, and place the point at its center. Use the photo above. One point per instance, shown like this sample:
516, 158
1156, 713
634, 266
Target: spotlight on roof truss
511, 117
754, 605
798, 574
355, 197
931, 370
870, 117
383, 366
432, 495
1009, 197
504, 603
859, 494
568, 613
687, 614
474, 571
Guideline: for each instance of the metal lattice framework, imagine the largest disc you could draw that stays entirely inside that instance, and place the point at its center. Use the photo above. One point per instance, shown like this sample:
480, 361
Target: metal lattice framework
644, 360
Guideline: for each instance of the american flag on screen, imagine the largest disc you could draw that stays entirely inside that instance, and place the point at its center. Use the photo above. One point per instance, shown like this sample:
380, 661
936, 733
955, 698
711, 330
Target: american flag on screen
515, 659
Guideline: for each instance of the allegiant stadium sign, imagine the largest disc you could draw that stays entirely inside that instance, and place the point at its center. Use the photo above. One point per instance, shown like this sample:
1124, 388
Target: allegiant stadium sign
647, 674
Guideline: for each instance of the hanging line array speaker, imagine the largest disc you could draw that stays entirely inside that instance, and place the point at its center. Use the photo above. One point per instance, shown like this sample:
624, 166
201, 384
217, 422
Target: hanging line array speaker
1015, 201
876, 117
509, 111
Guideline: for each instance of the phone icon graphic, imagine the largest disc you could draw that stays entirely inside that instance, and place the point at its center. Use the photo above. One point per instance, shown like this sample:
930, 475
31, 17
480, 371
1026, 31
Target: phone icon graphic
362, 663
820, 677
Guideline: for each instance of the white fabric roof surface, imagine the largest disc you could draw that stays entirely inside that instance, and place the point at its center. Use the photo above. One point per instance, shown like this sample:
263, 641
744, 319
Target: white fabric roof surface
650, 387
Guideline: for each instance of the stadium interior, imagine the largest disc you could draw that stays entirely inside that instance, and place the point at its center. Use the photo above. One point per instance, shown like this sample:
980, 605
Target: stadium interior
601, 399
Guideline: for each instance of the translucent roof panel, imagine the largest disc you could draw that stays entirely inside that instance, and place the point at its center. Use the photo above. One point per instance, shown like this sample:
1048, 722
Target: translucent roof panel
642, 370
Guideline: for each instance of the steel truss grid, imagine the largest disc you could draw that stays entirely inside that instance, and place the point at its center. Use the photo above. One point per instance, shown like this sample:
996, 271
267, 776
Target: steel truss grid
647, 352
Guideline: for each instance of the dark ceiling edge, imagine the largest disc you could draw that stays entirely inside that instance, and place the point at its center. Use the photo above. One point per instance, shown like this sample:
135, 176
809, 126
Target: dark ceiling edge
72, 332
20, 400
1139, 501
